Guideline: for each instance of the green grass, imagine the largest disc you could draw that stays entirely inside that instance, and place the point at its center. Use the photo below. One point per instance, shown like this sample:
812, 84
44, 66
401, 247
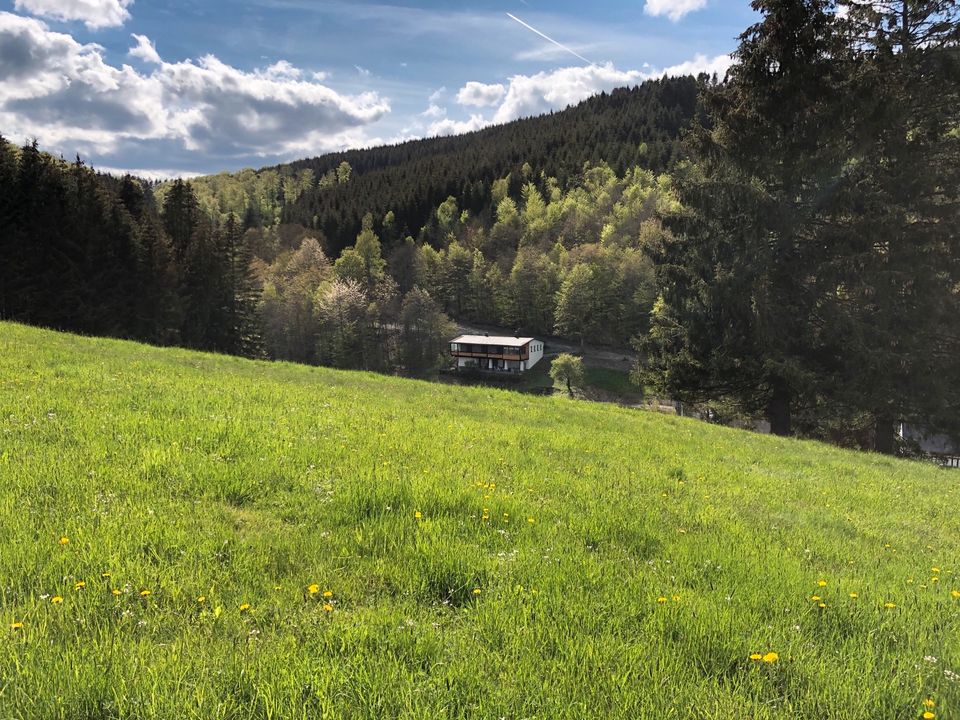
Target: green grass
616, 382
187, 474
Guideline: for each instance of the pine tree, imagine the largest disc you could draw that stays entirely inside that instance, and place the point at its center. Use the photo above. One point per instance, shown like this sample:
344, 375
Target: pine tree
899, 309
738, 312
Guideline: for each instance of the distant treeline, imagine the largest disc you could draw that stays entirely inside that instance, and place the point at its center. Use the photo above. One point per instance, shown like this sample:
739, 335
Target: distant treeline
624, 128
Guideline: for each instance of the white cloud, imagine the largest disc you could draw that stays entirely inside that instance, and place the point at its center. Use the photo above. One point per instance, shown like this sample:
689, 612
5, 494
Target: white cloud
145, 50
434, 111
480, 95
68, 96
437, 94
528, 95
700, 64
673, 9
457, 127
149, 174
536, 94
363, 71
93, 13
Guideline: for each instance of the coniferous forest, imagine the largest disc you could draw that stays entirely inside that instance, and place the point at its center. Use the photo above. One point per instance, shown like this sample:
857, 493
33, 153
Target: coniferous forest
781, 243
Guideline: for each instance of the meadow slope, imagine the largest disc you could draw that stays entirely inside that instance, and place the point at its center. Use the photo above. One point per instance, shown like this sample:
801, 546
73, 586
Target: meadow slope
195, 536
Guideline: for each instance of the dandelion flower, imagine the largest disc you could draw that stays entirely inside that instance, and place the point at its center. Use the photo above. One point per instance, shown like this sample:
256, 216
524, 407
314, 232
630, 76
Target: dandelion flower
145, 593
313, 589
477, 591
531, 520
929, 715
815, 598
105, 575
822, 605
16, 626
115, 592
955, 594
80, 585
756, 657
929, 703
935, 570
676, 598
889, 605
418, 515
56, 600
822, 583
771, 657
327, 607
64, 540
201, 599
244, 607
661, 600
854, 596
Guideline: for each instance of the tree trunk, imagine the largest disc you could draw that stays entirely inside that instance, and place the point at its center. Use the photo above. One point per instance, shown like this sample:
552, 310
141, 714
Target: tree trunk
569, 389
778, 409
883, 434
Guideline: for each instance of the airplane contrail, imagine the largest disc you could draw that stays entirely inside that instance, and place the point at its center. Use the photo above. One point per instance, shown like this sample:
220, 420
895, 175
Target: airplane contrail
550, 39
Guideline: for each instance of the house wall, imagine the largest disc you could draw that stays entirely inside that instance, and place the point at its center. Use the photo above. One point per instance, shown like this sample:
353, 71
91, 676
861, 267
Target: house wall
536, 353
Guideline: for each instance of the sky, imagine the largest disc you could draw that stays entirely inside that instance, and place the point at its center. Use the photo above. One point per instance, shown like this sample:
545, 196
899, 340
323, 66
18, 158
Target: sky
186, 87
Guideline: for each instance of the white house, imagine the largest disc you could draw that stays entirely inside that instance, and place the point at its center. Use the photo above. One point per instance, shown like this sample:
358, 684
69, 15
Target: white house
496, 354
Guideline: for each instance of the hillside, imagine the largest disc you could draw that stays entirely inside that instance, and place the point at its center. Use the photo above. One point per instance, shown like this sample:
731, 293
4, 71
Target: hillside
173, 522
639, 125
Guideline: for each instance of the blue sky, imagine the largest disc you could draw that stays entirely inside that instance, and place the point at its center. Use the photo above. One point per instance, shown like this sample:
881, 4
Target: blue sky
197, 87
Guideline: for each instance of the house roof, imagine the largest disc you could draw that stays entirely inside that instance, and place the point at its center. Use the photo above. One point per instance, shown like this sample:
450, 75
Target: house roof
492, 340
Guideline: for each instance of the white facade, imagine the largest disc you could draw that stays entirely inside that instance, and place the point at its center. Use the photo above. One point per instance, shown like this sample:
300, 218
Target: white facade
496, 353
536, 353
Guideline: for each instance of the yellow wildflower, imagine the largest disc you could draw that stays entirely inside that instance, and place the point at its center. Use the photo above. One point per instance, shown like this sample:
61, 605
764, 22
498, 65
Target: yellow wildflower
929, 715
531, 520
56, 600
16, 626
853, 596
889, 605
80, 585
244, 607
822, 583
935, 570
327, 594
661, 600
815, 598
822, 605
955, 594
771, 657
145, 593
313, 589
929, 703
64, 540
115, 592
201, 599
105, 575
418, 515
676, 598
327, 607
756, 657
477, 591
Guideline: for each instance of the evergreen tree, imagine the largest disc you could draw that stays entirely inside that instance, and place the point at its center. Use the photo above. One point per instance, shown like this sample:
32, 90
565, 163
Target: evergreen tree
739, 309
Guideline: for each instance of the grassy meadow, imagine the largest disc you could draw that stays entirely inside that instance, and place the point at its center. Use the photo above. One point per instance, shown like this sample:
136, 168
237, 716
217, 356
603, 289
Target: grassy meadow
194, 536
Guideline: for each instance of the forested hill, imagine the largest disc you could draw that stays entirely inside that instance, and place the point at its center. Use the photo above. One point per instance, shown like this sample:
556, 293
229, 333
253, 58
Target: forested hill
631, 126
